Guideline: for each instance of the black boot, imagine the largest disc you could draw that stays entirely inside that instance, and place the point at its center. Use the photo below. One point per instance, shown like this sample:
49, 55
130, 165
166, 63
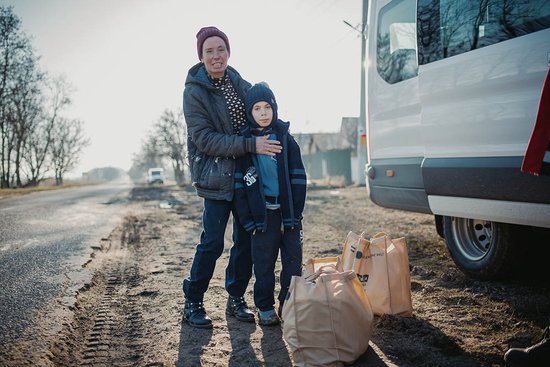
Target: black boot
535, 355
236, 306
195, 315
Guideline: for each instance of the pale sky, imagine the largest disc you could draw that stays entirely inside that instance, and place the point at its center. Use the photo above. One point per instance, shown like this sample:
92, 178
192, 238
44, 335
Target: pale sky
128, 60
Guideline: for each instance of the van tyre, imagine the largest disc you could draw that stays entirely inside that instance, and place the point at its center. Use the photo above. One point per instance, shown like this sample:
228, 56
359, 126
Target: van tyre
482, 249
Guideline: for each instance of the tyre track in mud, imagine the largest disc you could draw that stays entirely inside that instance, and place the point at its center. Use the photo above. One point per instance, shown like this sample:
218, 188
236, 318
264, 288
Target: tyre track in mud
116, 320
107, 323
129, 314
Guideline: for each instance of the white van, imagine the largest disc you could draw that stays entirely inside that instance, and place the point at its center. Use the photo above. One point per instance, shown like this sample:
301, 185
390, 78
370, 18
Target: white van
453, 89
155, 176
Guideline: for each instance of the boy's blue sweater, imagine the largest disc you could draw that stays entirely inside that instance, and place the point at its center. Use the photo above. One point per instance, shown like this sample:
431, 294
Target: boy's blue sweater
267, 170
249, 195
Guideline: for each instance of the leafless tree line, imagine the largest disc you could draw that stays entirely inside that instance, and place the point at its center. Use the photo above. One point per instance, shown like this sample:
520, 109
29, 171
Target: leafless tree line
36, 140
165, 144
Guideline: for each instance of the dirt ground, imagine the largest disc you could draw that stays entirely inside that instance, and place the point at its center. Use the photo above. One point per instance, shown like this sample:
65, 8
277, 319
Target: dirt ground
130, 313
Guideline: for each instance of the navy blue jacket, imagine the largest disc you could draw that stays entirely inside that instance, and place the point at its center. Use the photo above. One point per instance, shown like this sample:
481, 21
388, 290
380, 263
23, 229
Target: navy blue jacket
249, 196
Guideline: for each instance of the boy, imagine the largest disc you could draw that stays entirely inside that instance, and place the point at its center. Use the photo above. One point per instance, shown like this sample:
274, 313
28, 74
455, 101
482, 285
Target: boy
270, 193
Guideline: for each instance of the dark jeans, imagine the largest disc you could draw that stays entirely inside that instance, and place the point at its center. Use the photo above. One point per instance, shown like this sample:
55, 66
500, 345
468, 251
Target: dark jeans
265, 250
239, 269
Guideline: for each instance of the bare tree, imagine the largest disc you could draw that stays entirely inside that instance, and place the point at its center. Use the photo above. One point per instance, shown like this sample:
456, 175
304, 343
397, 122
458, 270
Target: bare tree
172, 135
36, 152
68, 140
39, 143
14, 45
26, 102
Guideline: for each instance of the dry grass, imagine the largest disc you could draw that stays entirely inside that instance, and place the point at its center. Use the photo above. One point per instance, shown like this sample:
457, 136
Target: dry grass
9, 192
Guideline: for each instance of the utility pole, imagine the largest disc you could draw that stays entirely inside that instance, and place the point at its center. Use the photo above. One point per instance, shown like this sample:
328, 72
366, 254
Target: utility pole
362, 126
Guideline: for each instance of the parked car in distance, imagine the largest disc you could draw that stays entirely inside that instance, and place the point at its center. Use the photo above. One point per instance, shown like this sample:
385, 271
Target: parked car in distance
155, 176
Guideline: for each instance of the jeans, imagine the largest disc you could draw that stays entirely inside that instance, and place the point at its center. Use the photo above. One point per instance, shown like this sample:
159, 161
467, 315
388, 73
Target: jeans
239, 269
265, 250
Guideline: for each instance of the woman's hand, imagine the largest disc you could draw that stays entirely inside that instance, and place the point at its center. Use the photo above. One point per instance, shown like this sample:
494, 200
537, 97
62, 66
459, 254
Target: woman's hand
267, 147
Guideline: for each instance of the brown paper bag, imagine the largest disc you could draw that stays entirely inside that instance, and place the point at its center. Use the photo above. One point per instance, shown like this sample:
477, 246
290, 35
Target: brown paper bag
327, 317
382, 266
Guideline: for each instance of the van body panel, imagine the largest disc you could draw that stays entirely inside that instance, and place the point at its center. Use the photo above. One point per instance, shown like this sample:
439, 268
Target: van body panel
398, 183
528, 214
414, 200
494, 178
484, 102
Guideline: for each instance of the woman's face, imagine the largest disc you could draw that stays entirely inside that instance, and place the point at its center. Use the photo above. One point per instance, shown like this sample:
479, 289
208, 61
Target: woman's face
262, 113
215, 56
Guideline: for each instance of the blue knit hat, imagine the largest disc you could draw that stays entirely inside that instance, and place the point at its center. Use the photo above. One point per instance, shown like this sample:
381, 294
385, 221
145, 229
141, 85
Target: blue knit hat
259, 92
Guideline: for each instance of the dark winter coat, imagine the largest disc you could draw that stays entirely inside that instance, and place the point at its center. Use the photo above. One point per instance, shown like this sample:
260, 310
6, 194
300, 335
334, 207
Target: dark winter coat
211, 144
249, 196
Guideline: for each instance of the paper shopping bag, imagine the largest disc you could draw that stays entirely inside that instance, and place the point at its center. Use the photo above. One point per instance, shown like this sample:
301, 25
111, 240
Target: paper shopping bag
328, 319
383, 269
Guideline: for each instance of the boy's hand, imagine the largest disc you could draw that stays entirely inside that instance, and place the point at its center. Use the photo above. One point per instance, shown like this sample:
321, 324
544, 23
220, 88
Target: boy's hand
267, 147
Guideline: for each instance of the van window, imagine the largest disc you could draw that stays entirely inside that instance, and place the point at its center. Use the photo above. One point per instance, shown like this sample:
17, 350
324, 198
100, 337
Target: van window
450, 27
396, 41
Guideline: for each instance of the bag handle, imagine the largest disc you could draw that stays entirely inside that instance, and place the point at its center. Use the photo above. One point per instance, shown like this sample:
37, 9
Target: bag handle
325, 269
348, 274
379, 234
366, 236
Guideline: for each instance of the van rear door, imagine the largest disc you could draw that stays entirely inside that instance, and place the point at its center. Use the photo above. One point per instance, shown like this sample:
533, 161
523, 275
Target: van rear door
396, 149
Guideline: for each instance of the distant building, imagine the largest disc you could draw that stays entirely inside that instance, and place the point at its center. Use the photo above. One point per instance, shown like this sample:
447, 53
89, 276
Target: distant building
331, 158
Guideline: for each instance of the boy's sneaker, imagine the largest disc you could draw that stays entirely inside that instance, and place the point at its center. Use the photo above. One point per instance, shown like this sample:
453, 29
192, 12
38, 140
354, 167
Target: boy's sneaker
268, 318
195, 315
535, 355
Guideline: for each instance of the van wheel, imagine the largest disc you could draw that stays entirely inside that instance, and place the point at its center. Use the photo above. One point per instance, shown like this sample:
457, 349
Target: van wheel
481, 249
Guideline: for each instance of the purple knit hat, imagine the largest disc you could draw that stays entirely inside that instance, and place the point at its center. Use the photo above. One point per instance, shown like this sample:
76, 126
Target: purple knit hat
207, 32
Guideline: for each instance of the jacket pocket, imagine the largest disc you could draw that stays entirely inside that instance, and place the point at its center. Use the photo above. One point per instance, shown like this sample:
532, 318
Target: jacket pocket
208, 172
212, 173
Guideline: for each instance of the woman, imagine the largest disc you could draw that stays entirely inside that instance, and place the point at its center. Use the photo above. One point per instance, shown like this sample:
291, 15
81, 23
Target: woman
214, 112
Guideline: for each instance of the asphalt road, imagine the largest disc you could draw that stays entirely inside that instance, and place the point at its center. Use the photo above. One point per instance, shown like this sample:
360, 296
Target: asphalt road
45, 238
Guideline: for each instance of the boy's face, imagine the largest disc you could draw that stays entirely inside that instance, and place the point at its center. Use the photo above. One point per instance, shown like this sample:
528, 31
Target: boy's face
262, 113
